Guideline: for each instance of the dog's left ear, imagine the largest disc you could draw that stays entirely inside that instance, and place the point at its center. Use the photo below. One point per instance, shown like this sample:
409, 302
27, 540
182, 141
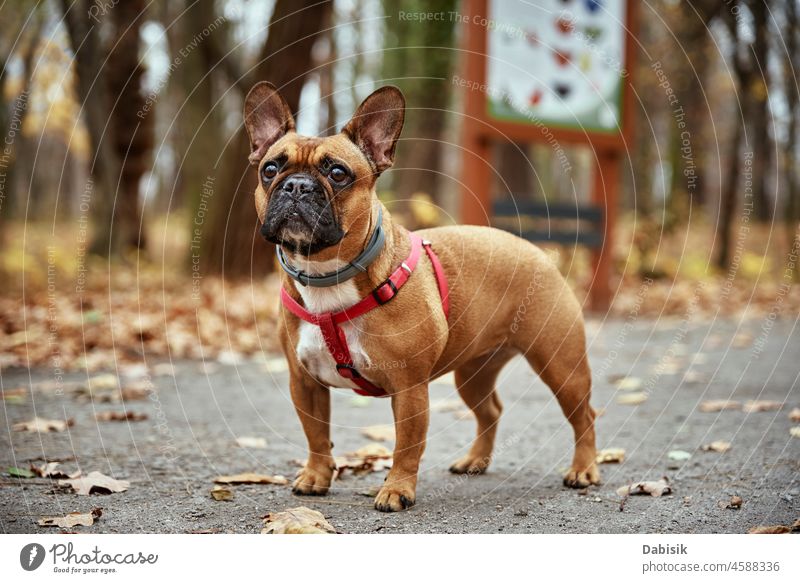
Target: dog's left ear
267, 118
376, 126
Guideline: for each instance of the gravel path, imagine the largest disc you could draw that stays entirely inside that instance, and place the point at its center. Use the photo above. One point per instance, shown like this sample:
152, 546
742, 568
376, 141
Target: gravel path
171, 458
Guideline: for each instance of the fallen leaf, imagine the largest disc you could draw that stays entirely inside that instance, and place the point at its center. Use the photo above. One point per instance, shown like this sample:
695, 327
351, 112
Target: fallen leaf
252, 442
103, 381
774, 529
463, 414
72, 519
679, 455
251, 478
694, 377
300, 520
96, 483
717, 446
735, 503
794, 415
628, 383
632, 398
15, 396
446, 405
757, 406
49, 470
372, 450
379, 432
275, 365
221, 493
39, 425
136, 391
611, 455
795, 431
373, 457
120, 416
719, 405
655, 489
19, 473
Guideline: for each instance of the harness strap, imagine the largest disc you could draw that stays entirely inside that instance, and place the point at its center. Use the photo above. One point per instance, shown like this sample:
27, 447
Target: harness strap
328, 322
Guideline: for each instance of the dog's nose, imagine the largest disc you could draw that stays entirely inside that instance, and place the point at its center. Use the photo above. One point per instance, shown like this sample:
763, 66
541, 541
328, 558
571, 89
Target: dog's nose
299, 184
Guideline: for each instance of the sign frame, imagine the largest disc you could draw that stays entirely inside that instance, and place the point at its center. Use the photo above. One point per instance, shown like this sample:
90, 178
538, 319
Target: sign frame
480, 130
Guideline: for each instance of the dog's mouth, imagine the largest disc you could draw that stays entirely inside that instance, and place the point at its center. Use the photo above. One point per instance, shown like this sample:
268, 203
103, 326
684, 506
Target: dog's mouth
300, 217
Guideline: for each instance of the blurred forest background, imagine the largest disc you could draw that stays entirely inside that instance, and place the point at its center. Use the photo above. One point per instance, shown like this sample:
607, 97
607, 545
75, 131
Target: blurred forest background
126, 216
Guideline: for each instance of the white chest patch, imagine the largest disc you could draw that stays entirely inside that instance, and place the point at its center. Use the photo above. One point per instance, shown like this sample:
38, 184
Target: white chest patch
311, 350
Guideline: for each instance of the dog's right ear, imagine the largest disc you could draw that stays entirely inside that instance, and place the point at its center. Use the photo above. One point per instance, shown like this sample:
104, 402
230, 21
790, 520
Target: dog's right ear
267, 118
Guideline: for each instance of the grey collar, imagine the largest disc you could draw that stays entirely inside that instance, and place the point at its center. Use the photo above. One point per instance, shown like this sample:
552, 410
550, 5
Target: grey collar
349, 271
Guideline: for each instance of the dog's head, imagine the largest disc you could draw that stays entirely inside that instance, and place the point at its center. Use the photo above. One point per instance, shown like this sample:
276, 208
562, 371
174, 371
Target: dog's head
315, 192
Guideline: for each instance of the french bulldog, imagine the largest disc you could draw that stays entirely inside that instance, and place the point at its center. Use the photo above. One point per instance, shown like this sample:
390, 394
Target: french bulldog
502, 296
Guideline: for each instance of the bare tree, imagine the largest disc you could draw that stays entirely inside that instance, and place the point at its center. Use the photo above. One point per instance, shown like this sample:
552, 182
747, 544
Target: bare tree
231, 243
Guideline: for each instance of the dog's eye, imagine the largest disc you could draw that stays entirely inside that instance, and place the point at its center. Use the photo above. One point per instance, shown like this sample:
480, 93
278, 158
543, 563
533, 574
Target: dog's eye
338, 174
270, 170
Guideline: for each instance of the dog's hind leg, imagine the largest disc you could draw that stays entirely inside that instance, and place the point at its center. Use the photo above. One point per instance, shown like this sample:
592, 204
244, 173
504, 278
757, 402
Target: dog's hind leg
476, 384
566, 371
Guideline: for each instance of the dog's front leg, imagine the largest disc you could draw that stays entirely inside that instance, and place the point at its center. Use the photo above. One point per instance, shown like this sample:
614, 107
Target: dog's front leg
312, 401
410, 407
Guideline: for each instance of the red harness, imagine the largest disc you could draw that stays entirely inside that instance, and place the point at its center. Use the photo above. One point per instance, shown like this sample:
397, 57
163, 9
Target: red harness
328, 322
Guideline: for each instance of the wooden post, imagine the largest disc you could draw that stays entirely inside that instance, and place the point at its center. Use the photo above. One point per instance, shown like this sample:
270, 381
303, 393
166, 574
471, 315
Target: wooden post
605, 186
476, 176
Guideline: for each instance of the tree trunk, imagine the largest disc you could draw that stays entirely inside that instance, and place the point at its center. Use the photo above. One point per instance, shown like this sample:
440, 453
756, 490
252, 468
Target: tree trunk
423, 69
760, 117
729, 198
231, 243
104, 164
132, 133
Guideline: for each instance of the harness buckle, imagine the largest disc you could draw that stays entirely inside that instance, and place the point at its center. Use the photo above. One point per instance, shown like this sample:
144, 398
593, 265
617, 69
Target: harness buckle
352, 373
384, 292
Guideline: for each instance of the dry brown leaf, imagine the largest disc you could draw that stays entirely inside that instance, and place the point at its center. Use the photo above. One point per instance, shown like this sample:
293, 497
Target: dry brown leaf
611, 455
379, 432
373, 457
103, 382
96, 483
632, 398
794, 415
714, 406
773, 529
252, 442
136, 391
221, 493
758, 406
718, 446
628, 383
463, 414
446, 405
654, 488
39, 425
120, 416
251, 478
72, 519
15, 394
735, 503
300, 520
49, 470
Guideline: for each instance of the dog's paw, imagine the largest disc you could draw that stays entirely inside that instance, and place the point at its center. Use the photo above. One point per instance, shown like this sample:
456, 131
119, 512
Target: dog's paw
395, 498
470, 464
582, 478
312, 482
